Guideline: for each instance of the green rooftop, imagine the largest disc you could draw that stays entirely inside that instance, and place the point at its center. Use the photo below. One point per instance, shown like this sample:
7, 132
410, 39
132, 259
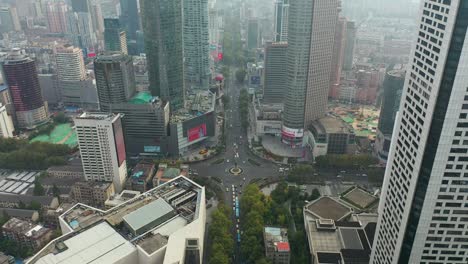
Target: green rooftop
141, 98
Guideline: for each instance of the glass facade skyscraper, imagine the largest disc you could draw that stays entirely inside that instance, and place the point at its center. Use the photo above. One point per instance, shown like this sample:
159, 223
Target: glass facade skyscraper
162, 27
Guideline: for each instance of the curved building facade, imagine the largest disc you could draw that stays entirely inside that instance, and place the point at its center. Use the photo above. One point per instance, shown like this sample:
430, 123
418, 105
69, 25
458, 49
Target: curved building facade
20, 75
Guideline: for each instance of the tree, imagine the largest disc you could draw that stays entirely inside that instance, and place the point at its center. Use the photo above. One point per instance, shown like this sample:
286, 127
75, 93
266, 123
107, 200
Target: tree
240, 75
38, 189
61, 118
55, 191
314, 195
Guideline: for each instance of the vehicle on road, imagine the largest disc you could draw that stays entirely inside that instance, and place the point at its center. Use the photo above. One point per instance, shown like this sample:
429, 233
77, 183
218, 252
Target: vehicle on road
339, 176
227, 189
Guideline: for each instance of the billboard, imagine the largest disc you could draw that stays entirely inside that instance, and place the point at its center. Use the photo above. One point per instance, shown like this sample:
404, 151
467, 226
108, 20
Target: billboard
119, 141
196, 132
287, 132
152, 149
255, 80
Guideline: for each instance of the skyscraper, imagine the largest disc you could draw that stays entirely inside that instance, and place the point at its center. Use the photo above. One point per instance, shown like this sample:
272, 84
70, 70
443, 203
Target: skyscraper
196, 43
102, 148
349, 45
162, 27
56, 13
281, 20
311, 34
252, 33
6, 123
80, 30
130, 17
422, 213
275, 75
338, 56
20, 75
115, 79
9, 20
393, 87
115, 37
76, 87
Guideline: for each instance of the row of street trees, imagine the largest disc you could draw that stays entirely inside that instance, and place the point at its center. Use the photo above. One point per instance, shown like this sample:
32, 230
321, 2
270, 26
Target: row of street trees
244, 108
283, 208
221, 247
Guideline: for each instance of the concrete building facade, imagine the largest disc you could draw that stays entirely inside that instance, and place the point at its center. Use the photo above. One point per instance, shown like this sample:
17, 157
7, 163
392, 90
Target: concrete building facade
422, 214
275, 74
311, 36
115, 37
102, 148
196, 44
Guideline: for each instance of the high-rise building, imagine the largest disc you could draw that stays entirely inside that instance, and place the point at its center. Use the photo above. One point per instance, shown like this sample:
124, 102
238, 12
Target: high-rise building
6, 123
422, 211
115, 79
196, 44
252, 33
56, 13
9, 20
338, 56
76, 88
102, 148
350, 42
311, 34
130, 17
392, 89
115, 37
70, 63
80, 6
80, 30
281, 20
97, 19
275, 74
20, 75
162, 26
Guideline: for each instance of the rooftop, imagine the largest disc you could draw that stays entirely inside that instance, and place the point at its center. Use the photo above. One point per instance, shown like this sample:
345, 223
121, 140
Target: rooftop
104, 228
143, 98
360, 198
124, 196
197, 103
98, 116
25, 228
328, 208
148, 214
331, 125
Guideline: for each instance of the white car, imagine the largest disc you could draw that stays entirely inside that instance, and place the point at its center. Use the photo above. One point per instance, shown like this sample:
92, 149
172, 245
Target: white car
227, 161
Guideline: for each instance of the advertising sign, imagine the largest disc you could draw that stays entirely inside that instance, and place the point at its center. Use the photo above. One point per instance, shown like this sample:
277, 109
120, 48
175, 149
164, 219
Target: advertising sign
152, 149
255, 80
292, 132
196, 132
119, 141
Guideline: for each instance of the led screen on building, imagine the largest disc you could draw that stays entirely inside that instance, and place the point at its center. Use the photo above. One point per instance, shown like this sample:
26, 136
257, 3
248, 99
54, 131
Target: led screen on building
196, 132
119, 141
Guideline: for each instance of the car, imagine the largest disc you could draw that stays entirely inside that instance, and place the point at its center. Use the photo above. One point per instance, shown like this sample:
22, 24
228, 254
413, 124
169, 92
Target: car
342, 171
243, 178
240, 191
238, 221
227, 189
364, 175
339, 176
227, 161
237, 226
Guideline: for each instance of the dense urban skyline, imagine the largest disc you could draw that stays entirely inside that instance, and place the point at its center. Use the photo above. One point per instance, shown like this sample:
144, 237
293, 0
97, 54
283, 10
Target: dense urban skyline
233, 132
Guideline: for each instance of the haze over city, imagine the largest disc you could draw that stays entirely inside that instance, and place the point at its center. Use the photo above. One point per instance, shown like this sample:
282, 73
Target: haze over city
233, 132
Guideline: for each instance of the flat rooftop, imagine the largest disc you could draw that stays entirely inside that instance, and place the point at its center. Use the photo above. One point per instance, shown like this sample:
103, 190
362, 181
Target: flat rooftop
94, 245
328, 208
331, 125
360, 197
97, 116
197, 103
180, 195
148, 213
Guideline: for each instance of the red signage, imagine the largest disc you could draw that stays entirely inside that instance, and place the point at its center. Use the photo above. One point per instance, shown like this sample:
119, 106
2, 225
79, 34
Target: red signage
196, 132
220, 56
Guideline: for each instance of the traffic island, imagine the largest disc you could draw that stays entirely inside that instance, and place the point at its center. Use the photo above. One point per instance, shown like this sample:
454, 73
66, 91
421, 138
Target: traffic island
236, 171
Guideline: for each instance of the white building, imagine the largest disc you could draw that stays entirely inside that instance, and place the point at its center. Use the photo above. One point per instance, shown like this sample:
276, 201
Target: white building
102, 148
70, 63
6, 123
423, 216
173, 234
